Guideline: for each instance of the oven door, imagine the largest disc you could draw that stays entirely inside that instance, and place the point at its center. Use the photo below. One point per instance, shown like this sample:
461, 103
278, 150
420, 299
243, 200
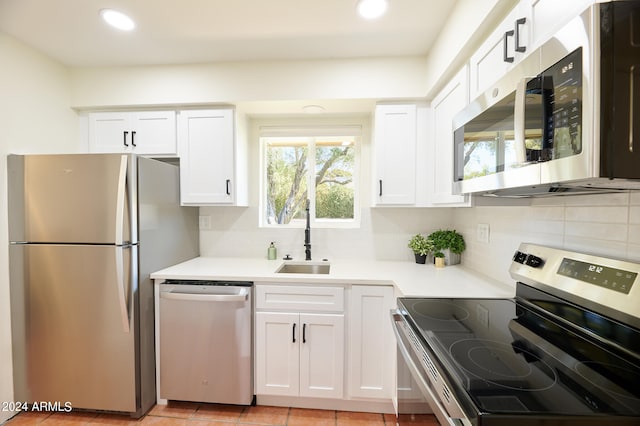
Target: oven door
416, 396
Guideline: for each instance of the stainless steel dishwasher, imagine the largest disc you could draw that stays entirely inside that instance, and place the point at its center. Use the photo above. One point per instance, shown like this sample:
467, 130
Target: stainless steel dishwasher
205, 339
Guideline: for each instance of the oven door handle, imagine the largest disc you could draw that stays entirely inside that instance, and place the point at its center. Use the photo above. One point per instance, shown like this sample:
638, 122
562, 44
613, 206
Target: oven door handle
432, 400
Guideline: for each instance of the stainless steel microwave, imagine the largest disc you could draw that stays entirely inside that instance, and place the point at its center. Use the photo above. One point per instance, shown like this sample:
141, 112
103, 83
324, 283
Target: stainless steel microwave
565, 120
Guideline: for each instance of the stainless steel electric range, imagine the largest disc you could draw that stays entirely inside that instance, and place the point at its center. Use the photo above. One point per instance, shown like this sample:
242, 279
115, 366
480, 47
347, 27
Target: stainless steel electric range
564, 352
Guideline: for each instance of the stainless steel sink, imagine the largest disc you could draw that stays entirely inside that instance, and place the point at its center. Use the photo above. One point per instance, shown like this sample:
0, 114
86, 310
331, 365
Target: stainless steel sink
304, 268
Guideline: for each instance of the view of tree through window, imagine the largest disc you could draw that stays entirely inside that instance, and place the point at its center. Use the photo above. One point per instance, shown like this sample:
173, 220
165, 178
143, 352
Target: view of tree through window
289, 184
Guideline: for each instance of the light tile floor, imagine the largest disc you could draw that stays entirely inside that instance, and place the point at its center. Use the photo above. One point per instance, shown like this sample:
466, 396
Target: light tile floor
194, 414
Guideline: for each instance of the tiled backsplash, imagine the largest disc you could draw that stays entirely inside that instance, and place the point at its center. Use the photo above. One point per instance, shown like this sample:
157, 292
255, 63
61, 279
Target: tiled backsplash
606, 224
383, 234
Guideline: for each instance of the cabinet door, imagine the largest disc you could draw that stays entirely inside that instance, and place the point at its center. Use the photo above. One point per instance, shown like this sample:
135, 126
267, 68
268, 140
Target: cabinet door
451, 100
142, 132
504, 48
277, 353
207, 162
371, 342
109, 132
395, 154
321, 355
153, 132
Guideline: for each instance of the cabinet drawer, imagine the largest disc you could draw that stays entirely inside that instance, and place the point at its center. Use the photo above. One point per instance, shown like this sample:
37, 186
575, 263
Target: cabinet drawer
300, 298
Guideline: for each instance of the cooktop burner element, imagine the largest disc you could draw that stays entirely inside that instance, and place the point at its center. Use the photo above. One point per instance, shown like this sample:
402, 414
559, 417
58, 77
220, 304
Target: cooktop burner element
567, 347
499, 365
440, 310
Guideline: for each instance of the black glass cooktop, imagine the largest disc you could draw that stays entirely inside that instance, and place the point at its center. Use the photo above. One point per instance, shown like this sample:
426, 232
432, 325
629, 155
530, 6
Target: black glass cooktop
513, 356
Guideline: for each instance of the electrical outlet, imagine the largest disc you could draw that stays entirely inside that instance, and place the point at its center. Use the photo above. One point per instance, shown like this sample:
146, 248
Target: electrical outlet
483, 233
204, 223
482, 314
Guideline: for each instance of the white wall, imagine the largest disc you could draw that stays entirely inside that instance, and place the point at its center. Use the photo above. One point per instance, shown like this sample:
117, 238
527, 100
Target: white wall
606, 225
383, 233
371, 78
34, 117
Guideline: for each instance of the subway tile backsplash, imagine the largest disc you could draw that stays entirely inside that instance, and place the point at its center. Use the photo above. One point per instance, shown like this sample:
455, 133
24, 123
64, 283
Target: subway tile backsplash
604, 224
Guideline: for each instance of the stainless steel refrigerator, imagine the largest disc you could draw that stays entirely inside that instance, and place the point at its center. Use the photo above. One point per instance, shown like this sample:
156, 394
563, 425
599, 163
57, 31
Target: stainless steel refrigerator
85, 232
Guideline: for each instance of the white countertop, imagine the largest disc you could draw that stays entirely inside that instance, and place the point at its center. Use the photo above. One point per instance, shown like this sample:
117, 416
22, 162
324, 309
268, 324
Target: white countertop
410, 279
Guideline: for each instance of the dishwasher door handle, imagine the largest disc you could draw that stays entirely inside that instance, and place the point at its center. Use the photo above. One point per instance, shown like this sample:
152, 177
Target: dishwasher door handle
205, 297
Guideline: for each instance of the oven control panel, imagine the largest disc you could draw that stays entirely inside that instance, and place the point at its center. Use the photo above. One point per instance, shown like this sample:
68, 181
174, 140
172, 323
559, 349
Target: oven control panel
604, 276
611, 283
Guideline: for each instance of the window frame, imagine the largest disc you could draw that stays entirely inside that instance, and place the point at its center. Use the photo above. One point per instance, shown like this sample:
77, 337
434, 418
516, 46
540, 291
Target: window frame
312, 133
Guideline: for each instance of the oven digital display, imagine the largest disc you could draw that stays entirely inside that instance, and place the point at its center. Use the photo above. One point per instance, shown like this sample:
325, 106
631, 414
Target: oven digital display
602, 276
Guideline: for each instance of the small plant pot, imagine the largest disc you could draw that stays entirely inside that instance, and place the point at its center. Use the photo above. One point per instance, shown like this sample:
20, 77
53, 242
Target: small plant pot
451, 258
420, 258
439, 262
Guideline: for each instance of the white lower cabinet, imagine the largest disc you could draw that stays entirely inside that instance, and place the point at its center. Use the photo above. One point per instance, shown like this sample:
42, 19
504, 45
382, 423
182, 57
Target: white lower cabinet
330, 342
371, 342
300, 354
299, 339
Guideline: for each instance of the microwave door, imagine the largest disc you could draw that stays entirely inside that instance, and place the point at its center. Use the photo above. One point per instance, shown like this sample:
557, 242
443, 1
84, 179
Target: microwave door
529, 122
492, 152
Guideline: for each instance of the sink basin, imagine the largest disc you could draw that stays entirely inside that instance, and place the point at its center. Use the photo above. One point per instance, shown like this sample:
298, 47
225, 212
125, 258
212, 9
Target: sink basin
304, 268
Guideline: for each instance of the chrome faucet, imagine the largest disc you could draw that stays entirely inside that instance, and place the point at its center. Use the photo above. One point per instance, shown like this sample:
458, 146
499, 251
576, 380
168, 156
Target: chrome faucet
307, 235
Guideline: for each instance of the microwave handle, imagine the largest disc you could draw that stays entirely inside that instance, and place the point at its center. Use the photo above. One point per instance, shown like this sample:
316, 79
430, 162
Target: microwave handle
519, 121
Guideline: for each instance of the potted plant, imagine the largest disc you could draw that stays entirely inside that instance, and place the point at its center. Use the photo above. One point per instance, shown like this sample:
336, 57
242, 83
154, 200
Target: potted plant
450, 243
421, 247
438, 259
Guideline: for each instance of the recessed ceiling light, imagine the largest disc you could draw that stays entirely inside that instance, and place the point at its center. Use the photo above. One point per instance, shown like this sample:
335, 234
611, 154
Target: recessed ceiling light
313, 109
117, 19
372, 9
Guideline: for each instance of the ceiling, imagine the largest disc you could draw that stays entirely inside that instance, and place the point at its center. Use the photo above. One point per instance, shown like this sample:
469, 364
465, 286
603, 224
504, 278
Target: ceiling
207, 31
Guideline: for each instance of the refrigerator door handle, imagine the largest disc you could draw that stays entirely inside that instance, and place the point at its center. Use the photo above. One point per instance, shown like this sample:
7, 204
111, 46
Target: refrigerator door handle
121, 201
121, 285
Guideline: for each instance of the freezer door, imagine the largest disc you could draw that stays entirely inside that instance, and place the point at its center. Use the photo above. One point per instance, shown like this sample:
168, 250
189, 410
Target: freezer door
70, 307
80, 198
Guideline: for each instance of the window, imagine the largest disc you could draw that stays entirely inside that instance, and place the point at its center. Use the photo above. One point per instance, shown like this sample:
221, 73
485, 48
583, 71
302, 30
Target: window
315, 165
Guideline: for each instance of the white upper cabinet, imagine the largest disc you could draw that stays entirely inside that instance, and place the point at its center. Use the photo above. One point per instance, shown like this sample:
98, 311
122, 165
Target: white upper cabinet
395, 138
450, 101
211, 158
550, 15
135, 132
503, 49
